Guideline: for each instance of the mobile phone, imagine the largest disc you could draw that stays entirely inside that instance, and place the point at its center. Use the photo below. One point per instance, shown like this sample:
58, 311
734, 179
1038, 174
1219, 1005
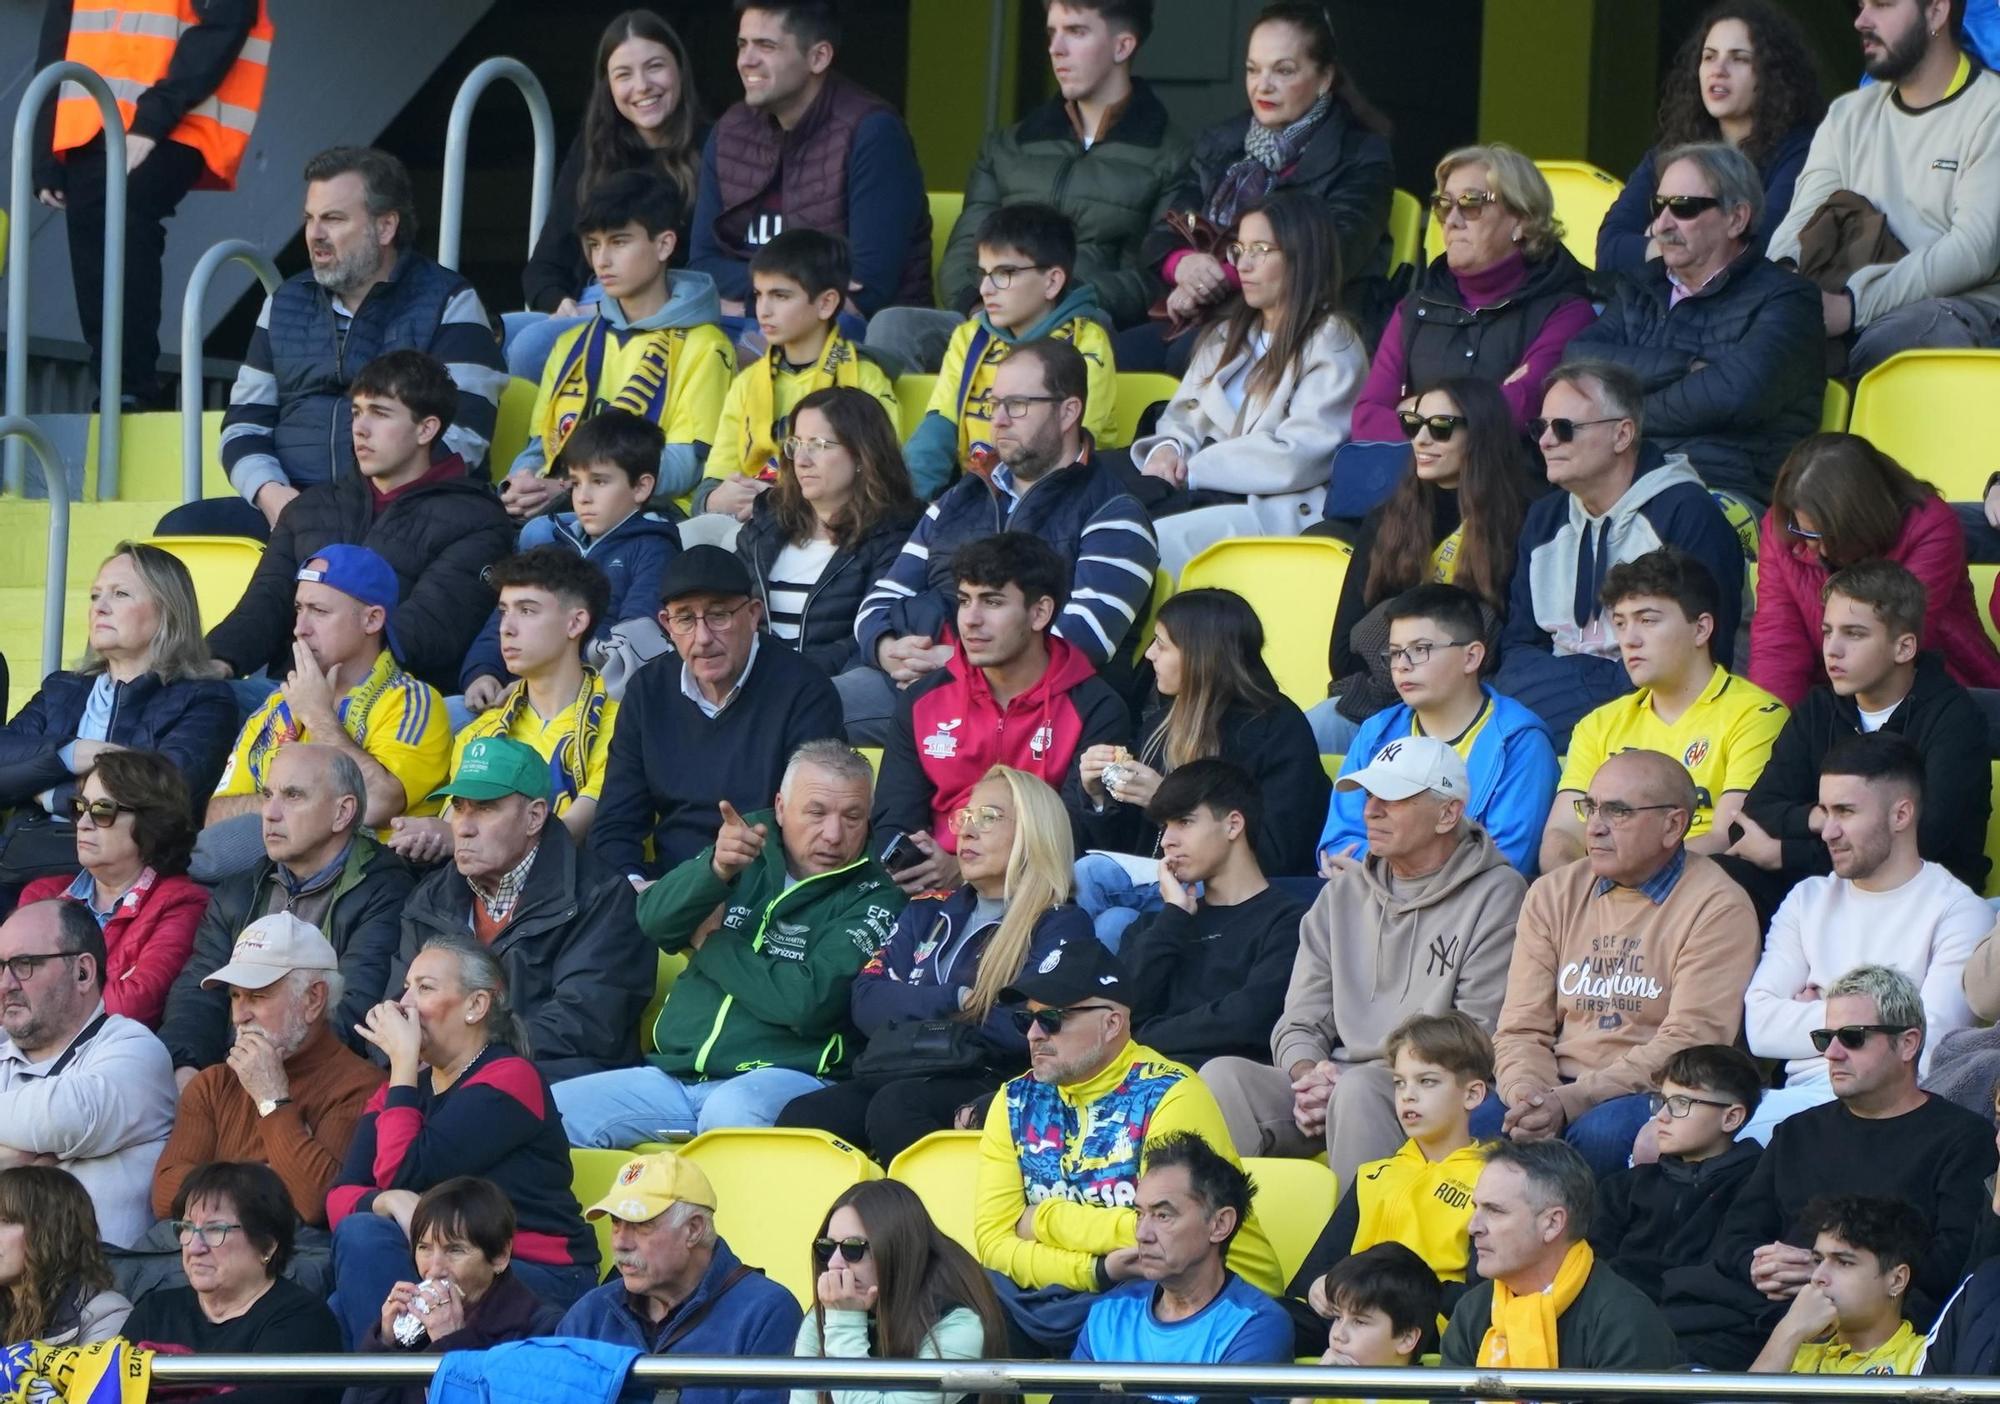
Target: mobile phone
901, 854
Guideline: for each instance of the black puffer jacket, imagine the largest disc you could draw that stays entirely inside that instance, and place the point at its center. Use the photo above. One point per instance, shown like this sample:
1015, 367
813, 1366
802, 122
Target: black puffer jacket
193, 723
826, 633
438, 537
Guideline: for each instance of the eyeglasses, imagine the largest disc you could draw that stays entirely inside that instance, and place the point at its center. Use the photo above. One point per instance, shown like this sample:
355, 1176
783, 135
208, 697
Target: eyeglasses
818, 443
1472, 204
852, 1250
1565, 429
1680, 1104
103, 812
1017, 405
1240, 254
1002, 277
1684, 206
1796, 530
1442, 426
1852, 1036
1417, 654
681, 622
1616, 812
1051, 1020
975, 820
214, 1235
23, 968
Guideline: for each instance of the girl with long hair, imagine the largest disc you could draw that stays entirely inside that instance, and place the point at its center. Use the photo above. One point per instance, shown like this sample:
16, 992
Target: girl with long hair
946, 964
55, 1284
889, 1285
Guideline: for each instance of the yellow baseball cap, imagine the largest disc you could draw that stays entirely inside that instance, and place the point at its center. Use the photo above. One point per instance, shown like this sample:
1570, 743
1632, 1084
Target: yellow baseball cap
646, 1186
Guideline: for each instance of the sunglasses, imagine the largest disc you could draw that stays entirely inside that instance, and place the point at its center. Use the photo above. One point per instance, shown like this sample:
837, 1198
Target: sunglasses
1565, 429
851, 1250
102, 812
1472, 204
1852, 1035
1050, 1020
1442, 426
1684, 206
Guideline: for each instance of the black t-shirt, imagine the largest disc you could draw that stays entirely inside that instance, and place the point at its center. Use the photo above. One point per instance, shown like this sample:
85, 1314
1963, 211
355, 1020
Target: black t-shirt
287, 1320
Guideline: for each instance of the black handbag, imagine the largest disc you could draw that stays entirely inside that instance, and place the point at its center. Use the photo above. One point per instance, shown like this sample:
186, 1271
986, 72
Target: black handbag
34, 845
922, 1048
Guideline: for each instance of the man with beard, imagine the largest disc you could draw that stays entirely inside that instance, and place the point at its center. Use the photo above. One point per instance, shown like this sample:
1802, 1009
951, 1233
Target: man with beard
1922, 147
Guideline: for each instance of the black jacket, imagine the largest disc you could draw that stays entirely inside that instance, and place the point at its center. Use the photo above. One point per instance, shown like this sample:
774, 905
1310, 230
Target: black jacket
1654, 1217
1212, 983
1944, 723
1966, 1340
1442, 337
826, 633
578, 970
1760, 335
193, 723
363, 923
439, 537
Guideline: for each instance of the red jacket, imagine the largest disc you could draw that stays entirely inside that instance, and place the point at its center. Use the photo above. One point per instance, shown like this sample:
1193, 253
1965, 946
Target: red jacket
1784, 632
146, 942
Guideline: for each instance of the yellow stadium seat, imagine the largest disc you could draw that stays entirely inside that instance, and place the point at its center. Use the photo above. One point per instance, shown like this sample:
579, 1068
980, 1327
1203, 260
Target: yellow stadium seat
1406, 231
591, 1173
873, 755
913, 397
1331, 765
670, 970
1294, 1200
1993, 841
1983, 577
941, 1168
774, 1187
511, 430
1923, 408
1138, 391
1839, 405
221, 567
1163, 589
1293, 582
945, 208
1583, 195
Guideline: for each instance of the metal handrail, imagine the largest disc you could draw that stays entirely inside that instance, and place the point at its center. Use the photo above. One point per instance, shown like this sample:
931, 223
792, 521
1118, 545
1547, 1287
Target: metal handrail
20, 205
228, 251
451, 213
55, 579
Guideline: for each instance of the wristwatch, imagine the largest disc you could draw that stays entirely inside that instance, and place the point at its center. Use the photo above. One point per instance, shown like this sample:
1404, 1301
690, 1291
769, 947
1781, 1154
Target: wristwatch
271, 1104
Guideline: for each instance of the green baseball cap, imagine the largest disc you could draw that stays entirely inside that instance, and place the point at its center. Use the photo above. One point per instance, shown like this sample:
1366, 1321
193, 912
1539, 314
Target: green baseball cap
494, 766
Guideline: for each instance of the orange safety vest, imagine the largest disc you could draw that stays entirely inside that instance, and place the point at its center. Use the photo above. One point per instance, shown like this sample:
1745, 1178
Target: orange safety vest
131, 44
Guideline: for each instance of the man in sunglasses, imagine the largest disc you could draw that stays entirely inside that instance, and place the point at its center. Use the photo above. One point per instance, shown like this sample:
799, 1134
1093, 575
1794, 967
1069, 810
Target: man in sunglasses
1729, 346
1060, 1155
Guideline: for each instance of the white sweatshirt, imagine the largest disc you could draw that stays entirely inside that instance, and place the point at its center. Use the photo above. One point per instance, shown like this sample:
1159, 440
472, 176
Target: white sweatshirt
1927, 928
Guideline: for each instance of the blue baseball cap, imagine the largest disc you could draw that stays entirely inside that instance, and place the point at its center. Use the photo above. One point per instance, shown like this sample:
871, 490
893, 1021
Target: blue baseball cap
360, 574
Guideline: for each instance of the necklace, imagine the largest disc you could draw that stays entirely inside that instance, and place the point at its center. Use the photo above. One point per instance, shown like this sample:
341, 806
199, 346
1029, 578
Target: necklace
451, 1078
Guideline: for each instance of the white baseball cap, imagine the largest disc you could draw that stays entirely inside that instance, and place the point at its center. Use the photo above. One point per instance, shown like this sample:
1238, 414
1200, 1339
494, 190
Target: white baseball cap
271, 948
1410, 766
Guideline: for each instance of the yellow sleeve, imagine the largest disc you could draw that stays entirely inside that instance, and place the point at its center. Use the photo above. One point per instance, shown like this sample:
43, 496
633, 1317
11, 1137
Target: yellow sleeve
1085, 1228
701, 384
876, 382
1100, 414
236, 778
998, 1199
1190, 1106
1750, 741
1588, 749
599, 757
725, 453
410, 737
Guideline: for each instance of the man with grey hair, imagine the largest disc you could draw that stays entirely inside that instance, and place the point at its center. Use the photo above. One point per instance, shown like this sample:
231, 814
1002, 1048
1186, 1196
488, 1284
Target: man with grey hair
1621, 497
1729, 346
322, 866
1881, 1135
774, 934
1531, 1214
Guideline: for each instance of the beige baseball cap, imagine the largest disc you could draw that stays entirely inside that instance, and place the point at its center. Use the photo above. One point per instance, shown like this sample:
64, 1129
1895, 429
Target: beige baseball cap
646, 1186
271, 948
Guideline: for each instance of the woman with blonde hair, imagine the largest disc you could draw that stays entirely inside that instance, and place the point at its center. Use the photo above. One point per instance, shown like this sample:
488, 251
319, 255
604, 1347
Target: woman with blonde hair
55, 1285
940, 1036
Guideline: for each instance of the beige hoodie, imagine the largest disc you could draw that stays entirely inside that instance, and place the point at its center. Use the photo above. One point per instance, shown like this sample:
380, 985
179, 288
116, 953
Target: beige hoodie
1368, 958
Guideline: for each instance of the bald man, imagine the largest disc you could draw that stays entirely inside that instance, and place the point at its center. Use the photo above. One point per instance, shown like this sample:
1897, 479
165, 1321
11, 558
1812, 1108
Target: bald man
1621, 959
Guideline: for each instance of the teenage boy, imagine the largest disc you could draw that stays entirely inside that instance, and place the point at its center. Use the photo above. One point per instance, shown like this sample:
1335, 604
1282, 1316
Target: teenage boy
1877, 680
1382, 1308
1848, 1318
549, 599
653, 348
612, 464
1652, 1218
1026, 256
1436, 657
799, 278
1663, 608
1012, 693
1211, 967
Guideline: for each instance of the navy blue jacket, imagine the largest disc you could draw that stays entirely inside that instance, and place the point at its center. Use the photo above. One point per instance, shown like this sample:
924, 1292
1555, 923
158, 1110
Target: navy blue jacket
192, 723
1621, 239
826, 630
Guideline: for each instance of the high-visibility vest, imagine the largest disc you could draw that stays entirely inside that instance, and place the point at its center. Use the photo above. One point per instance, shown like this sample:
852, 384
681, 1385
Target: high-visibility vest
131, 44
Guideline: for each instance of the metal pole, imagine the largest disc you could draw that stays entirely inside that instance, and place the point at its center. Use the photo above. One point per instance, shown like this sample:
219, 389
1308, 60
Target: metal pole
996, 61
20, 206
55, 579
451, 212
228, 251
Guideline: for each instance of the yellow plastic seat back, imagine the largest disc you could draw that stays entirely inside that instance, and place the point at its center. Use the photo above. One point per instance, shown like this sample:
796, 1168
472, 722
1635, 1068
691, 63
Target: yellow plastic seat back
1138, 391
1294, 1200
513, 426
1163, 589
773, 1186
946, 206
942, 1168
221, 567
913, 397
1406, 231
1293, 582
1839, 405
1923, 408
591, 1174
1583, 194
670, 969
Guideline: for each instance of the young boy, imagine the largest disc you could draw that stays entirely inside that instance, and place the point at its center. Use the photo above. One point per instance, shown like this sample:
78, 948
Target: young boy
1663, 607
800, 278
1653, 1218
1848, 1319
1383, 1306
1026, 256
653, 348
611, 463
1437, 657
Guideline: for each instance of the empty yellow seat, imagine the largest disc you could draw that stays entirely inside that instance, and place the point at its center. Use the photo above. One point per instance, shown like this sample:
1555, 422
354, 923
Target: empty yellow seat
1138, 391
775, 1186
1583, 194
1294, 1200
1293, 582
513, 427
1923, 408
941, 1168
221, 567
913, 397
873, 755
1839, 405
1406, 231
946, 205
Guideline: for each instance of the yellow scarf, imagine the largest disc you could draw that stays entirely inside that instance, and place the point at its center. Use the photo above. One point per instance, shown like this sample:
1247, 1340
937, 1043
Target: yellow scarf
110, 1372
839, 364
1523, 1333
612, 366
1444, 560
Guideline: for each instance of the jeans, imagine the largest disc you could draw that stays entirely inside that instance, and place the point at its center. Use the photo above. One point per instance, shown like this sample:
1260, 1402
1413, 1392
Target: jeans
1779, 1103
527, 338
371, 1255
868, 702
1106, 891
1603, 1135
916, 337
1332, 731
617, 1110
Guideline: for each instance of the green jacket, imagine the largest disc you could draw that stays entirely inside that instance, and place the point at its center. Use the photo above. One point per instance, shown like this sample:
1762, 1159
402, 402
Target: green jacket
1115, 193
769, 986
1611, 1325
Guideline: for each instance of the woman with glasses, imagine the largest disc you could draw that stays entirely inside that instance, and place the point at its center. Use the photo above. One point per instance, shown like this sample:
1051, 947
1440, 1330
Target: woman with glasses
933, 991
830, 526
134, 834
1839, 501
1498, 304
236, 1226
1745, 75
55, 1284
891, 1286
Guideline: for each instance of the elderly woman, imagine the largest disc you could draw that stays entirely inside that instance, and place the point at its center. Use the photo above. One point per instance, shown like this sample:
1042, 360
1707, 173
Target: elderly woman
55, 1285
236, 1225
134, 832
1500, 303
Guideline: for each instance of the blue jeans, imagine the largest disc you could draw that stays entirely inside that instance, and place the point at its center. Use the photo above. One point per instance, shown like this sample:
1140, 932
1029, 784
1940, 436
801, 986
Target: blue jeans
1604, 1134
1113, 900
371, 1255
527, 338
1334, 732
617, 1110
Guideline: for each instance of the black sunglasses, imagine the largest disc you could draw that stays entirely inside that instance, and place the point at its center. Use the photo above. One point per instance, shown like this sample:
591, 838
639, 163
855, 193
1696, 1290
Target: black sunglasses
1684, 206
1442, 426
102, 812
1852, 1035
852, 1250
1051, 1020
1565, 429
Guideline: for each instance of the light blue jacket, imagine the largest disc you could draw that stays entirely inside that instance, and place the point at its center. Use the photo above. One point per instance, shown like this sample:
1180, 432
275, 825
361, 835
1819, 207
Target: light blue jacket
520, 1372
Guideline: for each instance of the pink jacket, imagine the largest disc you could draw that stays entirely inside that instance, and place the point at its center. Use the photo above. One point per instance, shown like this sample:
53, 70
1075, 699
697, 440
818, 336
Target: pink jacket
146, 942
1784, 631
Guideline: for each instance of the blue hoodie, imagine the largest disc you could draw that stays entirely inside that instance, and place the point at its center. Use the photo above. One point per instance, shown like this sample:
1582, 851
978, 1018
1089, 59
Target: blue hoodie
1513, 771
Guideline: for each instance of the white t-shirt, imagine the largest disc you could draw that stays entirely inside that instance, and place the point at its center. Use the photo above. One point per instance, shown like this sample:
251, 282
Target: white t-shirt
793, 574
1872, 721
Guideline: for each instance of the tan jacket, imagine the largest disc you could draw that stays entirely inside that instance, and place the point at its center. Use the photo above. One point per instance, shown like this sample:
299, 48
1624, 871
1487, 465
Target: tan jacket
1982, 978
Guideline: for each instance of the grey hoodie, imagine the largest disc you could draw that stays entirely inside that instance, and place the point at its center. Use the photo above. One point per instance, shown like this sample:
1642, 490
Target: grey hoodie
1369, 958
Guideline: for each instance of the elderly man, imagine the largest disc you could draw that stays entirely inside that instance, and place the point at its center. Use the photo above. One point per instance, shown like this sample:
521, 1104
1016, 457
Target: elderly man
81, 1088
564, 933
322, 866
1054, 1204
717, 719
680, 1290
1729, 346
1530, 1216
759, 1015
1423, 924
1621, 959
